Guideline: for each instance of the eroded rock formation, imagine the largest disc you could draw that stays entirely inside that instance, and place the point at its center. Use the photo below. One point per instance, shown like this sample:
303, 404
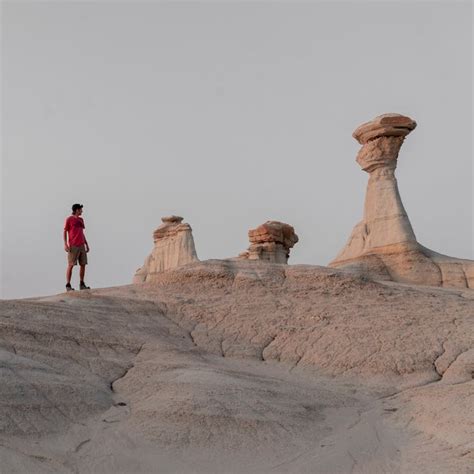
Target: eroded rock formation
383, 244
271, 241
174, 247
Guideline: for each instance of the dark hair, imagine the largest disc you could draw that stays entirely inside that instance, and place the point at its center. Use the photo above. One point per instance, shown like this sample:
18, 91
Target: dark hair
75, 207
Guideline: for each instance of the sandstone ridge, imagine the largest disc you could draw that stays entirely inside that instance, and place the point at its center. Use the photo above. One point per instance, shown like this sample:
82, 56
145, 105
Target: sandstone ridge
239, 366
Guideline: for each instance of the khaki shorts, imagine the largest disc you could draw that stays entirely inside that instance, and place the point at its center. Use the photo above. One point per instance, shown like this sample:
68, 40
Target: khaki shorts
77, 254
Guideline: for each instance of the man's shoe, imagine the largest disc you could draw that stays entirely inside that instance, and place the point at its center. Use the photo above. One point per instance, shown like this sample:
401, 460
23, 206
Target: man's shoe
69, 287
83, 286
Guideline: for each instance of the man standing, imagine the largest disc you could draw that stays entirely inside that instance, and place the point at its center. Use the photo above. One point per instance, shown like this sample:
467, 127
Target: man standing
76, 246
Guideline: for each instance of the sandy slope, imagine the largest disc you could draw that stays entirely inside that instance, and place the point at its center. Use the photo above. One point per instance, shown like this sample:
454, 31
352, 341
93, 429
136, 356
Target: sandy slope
225, 366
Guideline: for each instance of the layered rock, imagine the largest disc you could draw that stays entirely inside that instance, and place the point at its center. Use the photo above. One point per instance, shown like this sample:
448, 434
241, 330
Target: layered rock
384, 244
173, 247
271, 242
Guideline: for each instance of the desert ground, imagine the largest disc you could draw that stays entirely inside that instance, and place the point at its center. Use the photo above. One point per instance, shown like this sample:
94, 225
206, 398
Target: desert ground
229, 366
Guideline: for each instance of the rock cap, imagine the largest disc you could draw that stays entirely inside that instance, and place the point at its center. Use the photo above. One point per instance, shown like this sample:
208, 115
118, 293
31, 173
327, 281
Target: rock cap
171, 226
172, 219
386, 125
274, 231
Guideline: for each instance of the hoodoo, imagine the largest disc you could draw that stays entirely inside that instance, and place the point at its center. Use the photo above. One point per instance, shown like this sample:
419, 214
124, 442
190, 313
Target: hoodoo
271, 242
174, 247
383, 244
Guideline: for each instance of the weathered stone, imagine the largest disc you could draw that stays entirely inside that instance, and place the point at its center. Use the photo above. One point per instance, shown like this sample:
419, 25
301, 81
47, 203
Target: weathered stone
385, 125
271, 241
174, 247
237, 367
384, 244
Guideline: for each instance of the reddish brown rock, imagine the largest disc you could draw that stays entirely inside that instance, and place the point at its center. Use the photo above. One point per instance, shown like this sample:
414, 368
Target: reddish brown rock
271, 241
381, 139
386, 125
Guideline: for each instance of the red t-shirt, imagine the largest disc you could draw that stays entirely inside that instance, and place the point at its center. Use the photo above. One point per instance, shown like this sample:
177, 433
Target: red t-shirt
75, 225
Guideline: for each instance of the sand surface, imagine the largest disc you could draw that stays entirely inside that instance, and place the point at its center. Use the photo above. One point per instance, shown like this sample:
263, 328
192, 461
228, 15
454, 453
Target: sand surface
225, 366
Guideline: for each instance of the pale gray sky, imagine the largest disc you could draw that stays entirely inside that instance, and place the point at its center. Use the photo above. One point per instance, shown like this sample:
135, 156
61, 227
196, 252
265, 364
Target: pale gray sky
227, 114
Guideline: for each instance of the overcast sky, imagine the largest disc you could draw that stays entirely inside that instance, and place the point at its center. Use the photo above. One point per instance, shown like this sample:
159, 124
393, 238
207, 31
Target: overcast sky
227, 114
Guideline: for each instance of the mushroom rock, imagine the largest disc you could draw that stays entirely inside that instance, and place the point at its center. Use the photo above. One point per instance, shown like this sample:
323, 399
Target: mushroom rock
174, 247
271, 242
383, 244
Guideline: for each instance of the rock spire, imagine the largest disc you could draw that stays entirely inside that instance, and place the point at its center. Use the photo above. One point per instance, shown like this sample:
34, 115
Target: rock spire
384, 244
173, 247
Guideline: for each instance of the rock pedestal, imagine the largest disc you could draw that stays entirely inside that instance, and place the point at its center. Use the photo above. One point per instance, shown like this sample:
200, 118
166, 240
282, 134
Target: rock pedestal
270, 242
384, 244
173, 247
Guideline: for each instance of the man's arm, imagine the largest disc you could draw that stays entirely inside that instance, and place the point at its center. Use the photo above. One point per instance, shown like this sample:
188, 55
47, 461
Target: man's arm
87, 243
66, 246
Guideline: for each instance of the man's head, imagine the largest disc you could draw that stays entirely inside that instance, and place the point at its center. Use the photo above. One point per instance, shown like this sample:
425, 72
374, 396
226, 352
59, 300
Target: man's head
77, 209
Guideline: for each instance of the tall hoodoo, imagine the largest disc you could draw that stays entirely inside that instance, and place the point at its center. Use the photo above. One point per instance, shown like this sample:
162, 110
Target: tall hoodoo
271, 242
383, 244
385, 220
174, 247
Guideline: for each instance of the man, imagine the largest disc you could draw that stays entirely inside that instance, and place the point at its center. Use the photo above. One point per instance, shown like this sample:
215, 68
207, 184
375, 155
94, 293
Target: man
75, 244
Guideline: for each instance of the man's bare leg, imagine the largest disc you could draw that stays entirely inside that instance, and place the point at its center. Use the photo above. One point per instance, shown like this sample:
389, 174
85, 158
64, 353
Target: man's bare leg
82, 272
69, 273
